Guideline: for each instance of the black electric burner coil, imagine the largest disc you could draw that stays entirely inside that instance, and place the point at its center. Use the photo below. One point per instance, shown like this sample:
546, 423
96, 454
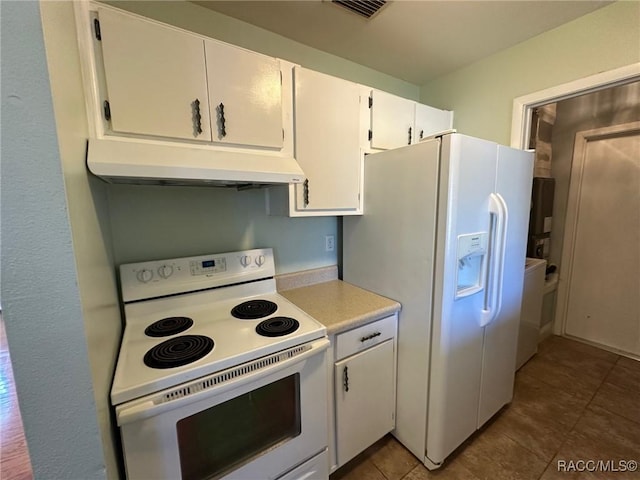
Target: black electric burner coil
253, 309
168, 326
277, 326
178, 351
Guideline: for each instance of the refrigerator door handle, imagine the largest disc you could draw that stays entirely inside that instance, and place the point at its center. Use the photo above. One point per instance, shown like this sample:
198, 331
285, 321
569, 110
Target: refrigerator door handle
493, 298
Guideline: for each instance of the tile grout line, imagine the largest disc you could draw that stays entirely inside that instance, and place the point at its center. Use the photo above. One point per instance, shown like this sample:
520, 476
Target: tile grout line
573, 427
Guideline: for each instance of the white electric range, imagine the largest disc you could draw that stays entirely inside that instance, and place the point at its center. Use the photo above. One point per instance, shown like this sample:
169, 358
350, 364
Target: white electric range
218, 375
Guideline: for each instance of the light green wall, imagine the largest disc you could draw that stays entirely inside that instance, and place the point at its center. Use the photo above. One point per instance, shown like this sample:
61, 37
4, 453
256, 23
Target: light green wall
41, 301
213, 24
482, 94
88, 212
163, 222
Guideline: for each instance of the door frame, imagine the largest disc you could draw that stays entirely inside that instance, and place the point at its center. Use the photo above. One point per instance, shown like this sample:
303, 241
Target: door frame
523, 106
521, 124
573, 208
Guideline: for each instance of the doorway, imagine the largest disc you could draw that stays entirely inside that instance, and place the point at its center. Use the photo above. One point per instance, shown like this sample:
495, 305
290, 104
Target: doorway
601, 253
603, 87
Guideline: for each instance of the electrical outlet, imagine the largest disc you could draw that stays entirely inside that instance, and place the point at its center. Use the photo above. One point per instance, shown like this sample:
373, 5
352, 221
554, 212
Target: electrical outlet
329, 243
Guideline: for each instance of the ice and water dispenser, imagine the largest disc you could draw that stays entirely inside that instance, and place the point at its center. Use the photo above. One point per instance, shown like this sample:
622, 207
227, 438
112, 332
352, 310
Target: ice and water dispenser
472, 252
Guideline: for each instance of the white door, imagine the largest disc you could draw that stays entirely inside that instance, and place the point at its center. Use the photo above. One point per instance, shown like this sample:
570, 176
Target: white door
364, 399
245, 91
603, 304
390, 250
156, 78
429, 120
391, 120
327, 120
513, 183
468, 169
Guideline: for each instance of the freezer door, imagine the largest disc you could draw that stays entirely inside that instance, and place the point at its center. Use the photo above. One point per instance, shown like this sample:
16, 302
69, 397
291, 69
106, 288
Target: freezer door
390, 251
513, 184
468, 172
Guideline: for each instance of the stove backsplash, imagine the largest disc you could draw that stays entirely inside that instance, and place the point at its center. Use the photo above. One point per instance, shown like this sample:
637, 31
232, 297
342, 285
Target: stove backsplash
154, 222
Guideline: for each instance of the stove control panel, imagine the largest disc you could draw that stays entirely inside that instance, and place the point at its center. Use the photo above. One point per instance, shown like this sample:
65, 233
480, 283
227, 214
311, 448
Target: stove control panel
208, 266
165, 271
145, 275
147, 280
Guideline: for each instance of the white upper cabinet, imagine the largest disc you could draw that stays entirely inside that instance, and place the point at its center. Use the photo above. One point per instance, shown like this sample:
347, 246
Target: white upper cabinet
429, 120
245, 91
327, 148
164, 82
155, 78
396, 122
392, 119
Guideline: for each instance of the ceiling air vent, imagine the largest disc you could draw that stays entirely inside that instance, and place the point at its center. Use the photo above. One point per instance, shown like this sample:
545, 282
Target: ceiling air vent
366, 8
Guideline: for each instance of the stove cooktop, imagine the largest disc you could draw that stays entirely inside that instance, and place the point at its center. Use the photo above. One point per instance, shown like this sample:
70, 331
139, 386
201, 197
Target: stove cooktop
202, 326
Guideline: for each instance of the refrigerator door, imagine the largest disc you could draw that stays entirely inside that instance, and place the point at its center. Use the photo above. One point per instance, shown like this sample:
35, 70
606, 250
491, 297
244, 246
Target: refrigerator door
468, 172
513, 185
390, 251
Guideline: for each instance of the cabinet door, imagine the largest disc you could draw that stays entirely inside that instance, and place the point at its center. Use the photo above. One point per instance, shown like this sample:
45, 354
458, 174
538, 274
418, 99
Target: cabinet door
365, 406
245, 91
391, 121
327, 119
429, 120
154, 76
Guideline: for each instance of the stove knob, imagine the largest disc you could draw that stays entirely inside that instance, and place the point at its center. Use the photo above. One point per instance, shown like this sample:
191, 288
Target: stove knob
260, 260
165, 271
245, 260
144, 275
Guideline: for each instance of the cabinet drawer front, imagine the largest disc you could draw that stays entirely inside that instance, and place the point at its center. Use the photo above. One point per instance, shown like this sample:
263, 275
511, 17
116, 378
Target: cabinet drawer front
365, 336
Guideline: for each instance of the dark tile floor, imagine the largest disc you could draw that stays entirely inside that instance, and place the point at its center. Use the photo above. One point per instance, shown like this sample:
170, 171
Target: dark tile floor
571, 402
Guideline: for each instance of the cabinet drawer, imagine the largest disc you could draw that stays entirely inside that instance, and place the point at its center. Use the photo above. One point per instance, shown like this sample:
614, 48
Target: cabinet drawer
366, 336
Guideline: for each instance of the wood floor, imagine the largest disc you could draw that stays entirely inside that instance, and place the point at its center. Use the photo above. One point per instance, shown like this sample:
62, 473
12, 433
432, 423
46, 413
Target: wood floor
14, 455
572, 403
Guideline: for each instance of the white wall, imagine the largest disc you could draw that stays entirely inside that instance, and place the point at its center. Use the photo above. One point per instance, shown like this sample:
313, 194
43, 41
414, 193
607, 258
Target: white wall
482, 94
41, 300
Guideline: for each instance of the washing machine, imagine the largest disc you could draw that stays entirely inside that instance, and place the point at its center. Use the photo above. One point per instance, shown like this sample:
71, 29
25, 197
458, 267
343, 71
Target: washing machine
531, 311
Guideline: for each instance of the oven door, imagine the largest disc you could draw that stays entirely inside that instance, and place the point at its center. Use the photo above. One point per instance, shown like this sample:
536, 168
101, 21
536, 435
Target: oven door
261, 420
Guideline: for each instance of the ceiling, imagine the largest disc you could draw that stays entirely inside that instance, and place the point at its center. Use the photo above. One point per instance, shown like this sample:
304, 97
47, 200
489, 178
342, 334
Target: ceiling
412, 40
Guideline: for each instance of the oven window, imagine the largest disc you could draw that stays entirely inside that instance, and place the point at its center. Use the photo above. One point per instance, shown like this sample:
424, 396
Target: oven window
224, 437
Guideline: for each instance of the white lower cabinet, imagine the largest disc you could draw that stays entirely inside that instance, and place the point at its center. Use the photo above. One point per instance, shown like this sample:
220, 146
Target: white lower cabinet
364, 387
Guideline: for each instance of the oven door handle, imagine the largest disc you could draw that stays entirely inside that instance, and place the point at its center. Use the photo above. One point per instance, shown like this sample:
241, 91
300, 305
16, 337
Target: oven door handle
147, 407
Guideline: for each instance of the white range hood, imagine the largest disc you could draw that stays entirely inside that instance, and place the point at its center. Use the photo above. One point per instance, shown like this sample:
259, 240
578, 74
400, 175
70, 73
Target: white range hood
122, 161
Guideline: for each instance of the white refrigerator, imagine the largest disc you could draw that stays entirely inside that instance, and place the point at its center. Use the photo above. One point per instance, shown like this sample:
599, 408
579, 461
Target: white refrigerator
444, 232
